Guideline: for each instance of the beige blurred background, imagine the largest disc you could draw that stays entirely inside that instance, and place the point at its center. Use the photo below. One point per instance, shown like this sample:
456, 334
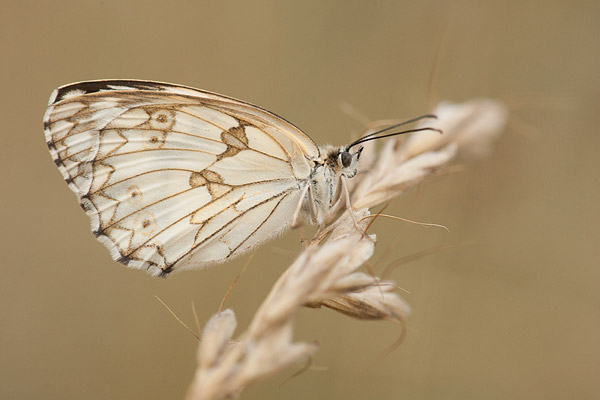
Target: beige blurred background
516, 315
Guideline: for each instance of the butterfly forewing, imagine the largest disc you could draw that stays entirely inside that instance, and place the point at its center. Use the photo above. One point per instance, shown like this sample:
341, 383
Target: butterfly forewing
173, 177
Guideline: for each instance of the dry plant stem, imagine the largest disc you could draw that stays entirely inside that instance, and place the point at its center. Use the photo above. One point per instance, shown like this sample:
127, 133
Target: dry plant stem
425, 224
325, 273
235, 280
177, 318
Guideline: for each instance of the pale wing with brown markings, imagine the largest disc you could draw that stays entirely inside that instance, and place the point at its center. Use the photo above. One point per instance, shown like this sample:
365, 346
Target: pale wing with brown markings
173, 177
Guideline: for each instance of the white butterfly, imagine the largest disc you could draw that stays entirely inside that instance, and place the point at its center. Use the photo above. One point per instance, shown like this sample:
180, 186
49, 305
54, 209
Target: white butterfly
177, 178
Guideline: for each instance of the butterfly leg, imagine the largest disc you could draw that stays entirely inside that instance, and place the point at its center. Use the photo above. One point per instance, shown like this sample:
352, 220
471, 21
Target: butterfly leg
297, 219
350, 209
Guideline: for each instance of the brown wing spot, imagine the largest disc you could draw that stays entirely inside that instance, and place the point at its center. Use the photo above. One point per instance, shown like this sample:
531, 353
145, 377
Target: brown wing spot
230, 152
155, 139
145, 224
212, 176
239, 132
235, 136
197, 179
212, 180
236, 140
135, 194
161, 118
218, 189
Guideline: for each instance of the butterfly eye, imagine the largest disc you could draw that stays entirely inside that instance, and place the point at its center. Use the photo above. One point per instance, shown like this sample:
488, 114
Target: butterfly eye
346, 158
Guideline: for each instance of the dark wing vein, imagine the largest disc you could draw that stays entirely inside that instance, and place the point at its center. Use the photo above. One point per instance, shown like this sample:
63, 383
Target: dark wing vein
284, 193
177, 194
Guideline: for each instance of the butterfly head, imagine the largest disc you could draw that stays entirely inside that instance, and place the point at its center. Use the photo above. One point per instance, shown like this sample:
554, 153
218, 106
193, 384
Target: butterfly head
347, 160
342, 160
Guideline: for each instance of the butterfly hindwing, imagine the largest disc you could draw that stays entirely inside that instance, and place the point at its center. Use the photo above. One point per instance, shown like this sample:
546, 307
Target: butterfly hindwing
170, 174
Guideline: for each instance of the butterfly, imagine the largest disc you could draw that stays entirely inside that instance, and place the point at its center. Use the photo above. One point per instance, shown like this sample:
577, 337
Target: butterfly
176, 178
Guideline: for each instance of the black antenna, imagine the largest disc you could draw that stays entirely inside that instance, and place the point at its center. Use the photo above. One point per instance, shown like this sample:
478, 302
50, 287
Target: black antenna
370, 136
408, 121
366, 139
